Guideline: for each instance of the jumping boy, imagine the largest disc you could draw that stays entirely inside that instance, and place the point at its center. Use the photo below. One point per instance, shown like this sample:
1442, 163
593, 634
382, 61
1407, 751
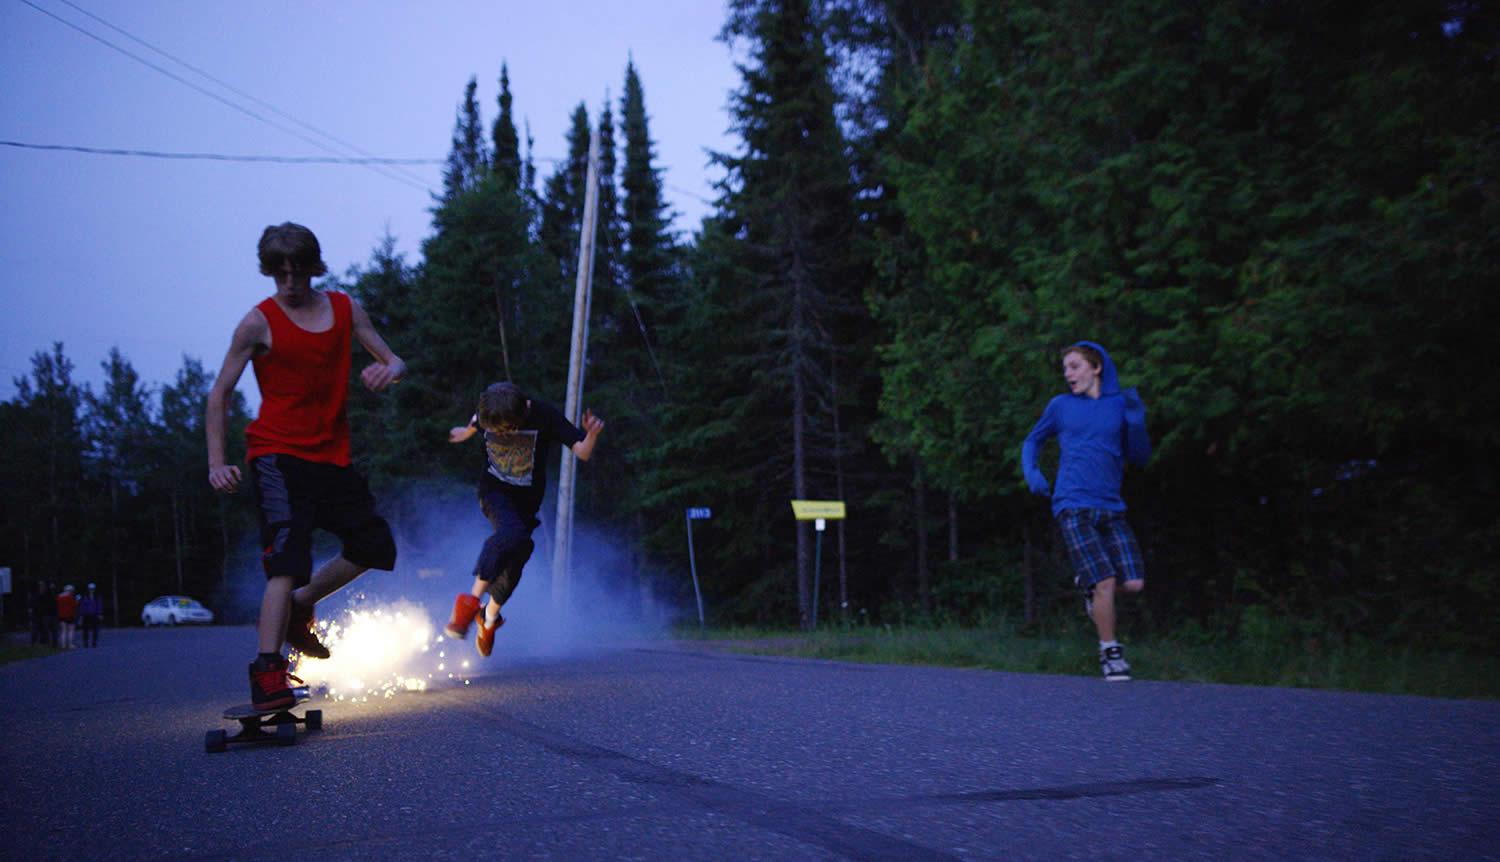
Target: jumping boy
519, 434
300, 342
1097, 427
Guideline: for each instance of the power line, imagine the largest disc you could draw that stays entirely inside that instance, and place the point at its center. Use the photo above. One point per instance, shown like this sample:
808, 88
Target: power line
223, 157
231, 88
415, 183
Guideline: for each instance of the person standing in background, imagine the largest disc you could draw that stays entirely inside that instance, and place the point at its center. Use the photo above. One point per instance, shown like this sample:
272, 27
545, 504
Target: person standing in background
67, 613
90, 614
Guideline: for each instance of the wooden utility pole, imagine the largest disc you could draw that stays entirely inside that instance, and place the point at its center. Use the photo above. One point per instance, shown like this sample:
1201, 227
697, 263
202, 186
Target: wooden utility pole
562, 543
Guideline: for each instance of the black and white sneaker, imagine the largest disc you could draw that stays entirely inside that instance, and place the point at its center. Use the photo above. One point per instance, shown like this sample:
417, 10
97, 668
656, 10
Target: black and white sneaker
1113, 665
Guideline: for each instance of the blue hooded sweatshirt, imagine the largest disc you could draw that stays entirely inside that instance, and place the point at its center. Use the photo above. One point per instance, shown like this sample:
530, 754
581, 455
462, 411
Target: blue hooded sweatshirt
1097, 435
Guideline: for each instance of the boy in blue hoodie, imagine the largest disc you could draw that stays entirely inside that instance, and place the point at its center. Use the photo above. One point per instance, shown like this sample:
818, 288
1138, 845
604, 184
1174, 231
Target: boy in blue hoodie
1098, 428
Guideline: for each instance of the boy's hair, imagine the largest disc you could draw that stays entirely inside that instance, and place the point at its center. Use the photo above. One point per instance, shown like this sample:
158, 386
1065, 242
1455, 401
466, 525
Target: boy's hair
500, 405
1089, 354
290, 243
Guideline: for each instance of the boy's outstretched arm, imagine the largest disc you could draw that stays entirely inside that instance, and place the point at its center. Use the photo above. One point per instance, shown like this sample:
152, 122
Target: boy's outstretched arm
592, 425
460, 433
251, 332
387, 368
1137, 441
1031, 450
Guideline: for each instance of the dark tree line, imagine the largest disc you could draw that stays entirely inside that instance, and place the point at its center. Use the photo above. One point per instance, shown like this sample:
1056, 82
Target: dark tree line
105, 487
1281, 219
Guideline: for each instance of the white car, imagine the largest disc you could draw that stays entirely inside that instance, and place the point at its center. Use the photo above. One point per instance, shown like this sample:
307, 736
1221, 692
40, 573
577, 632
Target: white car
171, 610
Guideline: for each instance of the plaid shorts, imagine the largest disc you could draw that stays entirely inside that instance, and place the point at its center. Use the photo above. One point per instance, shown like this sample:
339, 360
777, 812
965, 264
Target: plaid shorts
1100, 545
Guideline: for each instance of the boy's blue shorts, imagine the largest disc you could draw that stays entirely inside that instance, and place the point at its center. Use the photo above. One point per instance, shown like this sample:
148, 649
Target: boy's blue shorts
1100, 545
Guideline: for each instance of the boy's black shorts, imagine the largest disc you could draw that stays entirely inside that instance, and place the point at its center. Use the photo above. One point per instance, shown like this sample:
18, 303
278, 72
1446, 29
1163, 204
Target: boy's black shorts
293, 497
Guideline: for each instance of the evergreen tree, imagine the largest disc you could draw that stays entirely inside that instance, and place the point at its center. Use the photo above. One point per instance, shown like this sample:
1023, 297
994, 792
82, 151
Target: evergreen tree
468, 161
48, 463
649, 258
507, 147
608, 239
775, 279
197, 551
386, 443
119, 433
483, 307
562, 202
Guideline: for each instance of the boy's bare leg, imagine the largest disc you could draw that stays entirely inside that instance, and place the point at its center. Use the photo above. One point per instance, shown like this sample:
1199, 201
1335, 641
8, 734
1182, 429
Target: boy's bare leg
327, 580
1104, 604
492, 607
275, 608
1104, 609
491, 613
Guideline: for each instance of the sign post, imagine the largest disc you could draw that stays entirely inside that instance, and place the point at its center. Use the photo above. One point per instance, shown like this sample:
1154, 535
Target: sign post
820, 512
696, 514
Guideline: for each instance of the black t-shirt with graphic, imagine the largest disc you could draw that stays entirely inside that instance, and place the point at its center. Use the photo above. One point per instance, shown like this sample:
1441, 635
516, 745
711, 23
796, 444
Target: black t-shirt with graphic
518, 460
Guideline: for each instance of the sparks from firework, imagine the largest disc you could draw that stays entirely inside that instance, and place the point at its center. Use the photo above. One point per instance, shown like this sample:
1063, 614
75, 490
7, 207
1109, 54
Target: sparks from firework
378, 652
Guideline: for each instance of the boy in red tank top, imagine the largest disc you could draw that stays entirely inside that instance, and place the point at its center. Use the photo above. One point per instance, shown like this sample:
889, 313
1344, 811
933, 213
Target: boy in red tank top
300, 341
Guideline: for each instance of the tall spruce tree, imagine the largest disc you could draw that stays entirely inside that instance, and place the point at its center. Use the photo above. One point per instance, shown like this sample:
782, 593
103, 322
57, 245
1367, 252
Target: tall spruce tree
119, 430
756, 395
468, 160
562, 202
624, 380
48, 459
506, 161
649, 261
481, 277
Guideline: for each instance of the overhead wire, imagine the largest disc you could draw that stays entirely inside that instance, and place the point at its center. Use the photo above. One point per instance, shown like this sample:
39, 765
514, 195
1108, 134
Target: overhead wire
241, 93
378, 164
377, 167
366, 159
224, 157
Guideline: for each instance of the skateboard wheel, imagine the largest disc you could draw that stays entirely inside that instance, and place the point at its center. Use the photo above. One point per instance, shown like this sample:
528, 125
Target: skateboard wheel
214, 741
314, 719
286, 734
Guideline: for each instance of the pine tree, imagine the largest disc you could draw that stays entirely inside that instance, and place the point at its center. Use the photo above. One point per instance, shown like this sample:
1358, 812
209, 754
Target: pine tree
119, 430
48, 441
484, 306
773, 274
649, 258
468, 161
507, 147
562, 202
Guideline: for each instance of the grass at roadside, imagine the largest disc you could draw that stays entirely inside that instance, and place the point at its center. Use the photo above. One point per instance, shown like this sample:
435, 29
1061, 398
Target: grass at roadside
1354, 666
10, 652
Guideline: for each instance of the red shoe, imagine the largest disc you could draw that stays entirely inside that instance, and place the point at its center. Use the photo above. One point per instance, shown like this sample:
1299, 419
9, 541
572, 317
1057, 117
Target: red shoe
464, 609
299, 633
270, 685
485, 640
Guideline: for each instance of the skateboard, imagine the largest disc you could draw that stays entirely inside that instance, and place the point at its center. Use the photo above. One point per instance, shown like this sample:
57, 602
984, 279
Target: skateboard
264, 725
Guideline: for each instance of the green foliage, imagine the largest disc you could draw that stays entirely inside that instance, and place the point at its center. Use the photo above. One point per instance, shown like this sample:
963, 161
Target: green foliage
1276, 231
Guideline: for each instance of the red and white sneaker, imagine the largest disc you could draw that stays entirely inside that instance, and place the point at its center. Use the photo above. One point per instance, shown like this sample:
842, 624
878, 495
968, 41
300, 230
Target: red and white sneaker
464, 609
485, 640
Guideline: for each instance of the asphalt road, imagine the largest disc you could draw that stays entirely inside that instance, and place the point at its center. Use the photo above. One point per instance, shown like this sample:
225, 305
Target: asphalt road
667, 751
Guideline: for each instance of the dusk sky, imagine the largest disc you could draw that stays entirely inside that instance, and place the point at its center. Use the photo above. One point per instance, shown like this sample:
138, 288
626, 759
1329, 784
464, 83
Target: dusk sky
156, 256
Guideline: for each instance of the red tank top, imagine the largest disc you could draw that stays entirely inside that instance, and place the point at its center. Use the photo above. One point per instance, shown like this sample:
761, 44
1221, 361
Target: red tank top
304, 387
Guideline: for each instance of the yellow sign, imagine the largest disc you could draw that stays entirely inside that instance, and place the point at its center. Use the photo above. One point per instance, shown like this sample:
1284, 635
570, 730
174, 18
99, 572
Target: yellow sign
812, 510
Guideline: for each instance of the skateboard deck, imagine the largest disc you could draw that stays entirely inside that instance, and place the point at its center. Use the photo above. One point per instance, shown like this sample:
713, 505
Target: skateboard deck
264, 725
